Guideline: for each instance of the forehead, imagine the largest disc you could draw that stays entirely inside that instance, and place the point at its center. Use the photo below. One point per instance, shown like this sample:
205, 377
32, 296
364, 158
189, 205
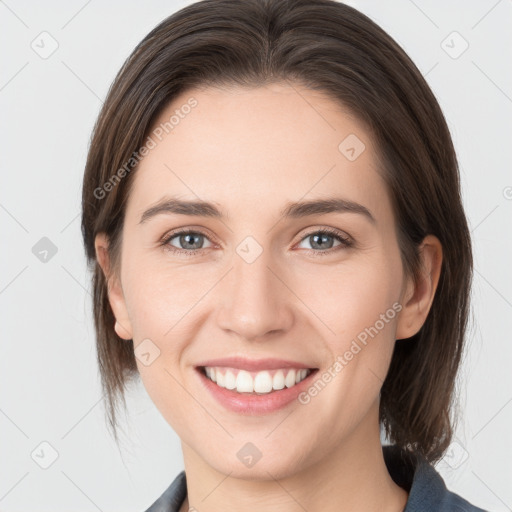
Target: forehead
240, 146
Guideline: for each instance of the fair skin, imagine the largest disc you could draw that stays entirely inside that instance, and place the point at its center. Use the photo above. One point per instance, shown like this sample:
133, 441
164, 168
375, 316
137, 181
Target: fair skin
250, 151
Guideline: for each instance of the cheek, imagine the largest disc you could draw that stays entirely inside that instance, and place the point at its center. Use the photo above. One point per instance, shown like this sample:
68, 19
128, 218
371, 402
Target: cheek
158, 303
353, 296
158, 295
359, 304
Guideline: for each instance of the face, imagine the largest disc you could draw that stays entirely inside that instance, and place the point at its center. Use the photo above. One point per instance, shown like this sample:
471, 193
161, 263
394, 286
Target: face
256, 283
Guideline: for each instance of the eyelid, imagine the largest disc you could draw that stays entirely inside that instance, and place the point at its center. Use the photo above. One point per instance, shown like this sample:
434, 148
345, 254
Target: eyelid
183, 231
331, 231
346, 241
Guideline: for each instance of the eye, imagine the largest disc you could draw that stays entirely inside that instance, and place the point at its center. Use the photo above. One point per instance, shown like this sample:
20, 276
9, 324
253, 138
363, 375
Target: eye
190, 241
320, 239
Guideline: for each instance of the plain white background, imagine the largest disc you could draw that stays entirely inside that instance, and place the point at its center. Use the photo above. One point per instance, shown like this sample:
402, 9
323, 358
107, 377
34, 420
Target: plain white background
50, 390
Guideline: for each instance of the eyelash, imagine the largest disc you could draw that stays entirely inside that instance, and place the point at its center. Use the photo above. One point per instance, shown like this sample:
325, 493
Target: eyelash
345, 242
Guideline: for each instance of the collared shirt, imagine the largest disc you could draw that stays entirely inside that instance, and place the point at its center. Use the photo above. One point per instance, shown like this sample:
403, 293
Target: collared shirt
426, 488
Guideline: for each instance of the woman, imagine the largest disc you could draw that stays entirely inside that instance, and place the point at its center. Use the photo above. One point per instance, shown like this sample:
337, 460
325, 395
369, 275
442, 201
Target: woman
272, 212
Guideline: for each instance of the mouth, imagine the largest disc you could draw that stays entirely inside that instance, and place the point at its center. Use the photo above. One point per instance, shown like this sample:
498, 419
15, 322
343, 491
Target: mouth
255, 383
253, 392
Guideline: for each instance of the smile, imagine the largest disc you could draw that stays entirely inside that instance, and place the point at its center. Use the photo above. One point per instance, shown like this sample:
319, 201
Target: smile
255, 386
261, 382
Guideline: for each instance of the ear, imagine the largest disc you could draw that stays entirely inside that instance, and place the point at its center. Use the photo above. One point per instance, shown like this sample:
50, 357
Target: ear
122, 326
419, 295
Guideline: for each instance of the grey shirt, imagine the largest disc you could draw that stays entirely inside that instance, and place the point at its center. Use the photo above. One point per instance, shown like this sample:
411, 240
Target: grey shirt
426, 488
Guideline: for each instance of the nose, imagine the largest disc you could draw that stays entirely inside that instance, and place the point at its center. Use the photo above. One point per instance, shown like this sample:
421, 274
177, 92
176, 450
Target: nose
254, 299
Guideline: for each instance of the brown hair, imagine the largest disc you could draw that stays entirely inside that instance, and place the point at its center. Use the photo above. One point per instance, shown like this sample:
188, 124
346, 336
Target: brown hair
330, 47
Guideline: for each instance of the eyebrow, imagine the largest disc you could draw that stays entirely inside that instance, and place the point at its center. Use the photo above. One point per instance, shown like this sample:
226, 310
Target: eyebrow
297, 210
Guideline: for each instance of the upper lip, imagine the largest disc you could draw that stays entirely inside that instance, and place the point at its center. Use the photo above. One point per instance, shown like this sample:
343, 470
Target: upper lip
254, 365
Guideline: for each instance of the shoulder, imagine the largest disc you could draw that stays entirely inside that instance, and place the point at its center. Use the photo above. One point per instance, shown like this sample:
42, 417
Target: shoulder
426, 487
173, 497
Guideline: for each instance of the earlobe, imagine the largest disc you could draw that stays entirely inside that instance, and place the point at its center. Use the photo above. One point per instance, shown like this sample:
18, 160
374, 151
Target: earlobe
420, 294
122, 332
116, 299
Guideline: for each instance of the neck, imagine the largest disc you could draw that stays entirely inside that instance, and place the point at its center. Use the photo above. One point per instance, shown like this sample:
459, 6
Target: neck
353, 476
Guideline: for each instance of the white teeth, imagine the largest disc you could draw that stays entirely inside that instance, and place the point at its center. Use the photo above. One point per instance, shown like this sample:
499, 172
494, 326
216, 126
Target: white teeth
210, 373
230, 380
263, 382
278, 380
290, 379
243, 381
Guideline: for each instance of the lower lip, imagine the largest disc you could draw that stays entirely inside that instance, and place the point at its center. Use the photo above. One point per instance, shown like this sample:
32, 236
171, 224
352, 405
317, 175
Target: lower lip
246, 403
